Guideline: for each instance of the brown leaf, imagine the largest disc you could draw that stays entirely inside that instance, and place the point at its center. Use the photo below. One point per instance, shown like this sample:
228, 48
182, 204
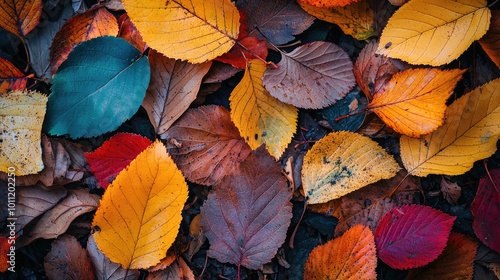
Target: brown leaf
68, 260
196, 236
177, 270
129, 32
451, 191
208, 147
491, 40
220, 72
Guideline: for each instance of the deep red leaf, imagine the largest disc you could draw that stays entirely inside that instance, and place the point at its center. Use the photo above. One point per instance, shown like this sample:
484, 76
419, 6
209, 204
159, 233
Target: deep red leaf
412, 236
114, 155
486, 209
244, 50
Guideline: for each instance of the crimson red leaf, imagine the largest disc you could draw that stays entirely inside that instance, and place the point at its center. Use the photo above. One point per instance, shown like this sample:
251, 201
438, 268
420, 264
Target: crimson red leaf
114, 155
239, 55
246, 217
486, 209
412, 236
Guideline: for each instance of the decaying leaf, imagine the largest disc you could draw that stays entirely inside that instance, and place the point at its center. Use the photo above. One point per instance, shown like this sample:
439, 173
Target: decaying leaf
351, 256
177, 270
19, 17
11, 78
129, 32
491, 40
470, 133
343, 162
451, 191
140, 213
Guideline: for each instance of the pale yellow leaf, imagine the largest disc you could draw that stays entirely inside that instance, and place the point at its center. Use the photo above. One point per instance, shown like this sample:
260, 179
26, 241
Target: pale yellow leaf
261, 118
434, 32
470, 133
343, 162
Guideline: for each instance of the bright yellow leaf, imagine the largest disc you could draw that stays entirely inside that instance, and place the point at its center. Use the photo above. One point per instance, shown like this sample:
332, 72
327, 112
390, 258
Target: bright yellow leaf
434, 32
343, 162
413, 101
470, 133
192, 30
261, 118
140, 213
355, 19
21, 119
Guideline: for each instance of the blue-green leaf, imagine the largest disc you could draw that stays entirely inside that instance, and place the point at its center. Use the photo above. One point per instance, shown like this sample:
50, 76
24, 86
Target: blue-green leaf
99, 86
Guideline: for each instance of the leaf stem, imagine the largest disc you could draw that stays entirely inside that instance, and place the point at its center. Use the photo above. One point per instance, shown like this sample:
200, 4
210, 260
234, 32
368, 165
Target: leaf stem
255, 55
492, 4
292, 238
485, 163
28, 59
350, 115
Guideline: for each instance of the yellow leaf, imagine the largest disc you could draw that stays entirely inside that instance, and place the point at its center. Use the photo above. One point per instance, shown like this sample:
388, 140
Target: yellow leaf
413, 101
21, 119
140, 213
192, 30
355, 19
261, 118
470, 133
343, 162
434, 32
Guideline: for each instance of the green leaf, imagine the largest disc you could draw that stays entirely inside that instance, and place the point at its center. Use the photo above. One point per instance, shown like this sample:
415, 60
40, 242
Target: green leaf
99, 86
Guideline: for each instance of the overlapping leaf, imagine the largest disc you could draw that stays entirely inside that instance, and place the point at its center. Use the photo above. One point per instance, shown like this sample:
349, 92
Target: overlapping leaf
244, 50
413, 102
21, 118
206, 145
470, 133
351, 256
328, 3
412, 236
434, 32
19, 17
261, 118
174, 85
140, 213
11, 78
88, 92
343, 162
246, 217
491, 40
114, 155
195, 31
129, 32
313, 76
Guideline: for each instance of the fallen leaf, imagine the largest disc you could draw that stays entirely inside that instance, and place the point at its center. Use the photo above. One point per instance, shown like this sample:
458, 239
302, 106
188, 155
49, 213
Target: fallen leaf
490, 41
330, 208
209, 145
68, 260
219, 72
88, 89
114, 155
451, 191
246, 217
277, 20
245, 50
11, 78
413, 102
21, 119
485, 207
351, 256
328, 3
261, 118
353, 103
343, 162
19, 17
80, 28
382, 11
436, 35
355, 19
140, 213
313, 76
456, 261
174, 85
177, 270
470, 133
115, 5
195, 31
412, 236
196, 236
6, 244
129, 32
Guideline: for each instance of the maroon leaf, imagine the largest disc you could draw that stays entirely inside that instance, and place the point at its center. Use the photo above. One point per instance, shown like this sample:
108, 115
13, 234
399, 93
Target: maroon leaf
486, 209
114, 155
412, 236
246, 217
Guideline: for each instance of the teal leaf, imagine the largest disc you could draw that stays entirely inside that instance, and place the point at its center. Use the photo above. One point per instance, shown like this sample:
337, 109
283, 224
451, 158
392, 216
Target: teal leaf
99, 86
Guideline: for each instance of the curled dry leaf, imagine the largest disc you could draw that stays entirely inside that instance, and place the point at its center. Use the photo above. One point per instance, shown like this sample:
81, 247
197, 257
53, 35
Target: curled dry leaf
451, 191
206, 145
177, 270
20, 17
491, 40
196, 236
312, 76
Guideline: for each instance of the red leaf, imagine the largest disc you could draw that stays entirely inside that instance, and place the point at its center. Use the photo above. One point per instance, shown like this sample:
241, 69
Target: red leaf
486, 209
412, 236
114, 155
239, 54
129, 32
247, 216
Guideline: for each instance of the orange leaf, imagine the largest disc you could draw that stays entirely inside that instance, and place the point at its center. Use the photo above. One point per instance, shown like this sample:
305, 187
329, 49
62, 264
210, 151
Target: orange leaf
129, 32
491, 41
351, 256
80, 28
10, 77
19, 17
414, 101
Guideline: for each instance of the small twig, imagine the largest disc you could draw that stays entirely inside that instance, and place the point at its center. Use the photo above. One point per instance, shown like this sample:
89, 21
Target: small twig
292, 238
485, 163
349, 115
492, 4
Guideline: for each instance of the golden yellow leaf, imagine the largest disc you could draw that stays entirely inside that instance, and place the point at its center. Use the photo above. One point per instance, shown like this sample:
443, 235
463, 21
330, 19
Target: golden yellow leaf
140, 213
434, 32
343, 162
21, 119
192, 30
261, 118
355, 19
413, 101
470, 133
